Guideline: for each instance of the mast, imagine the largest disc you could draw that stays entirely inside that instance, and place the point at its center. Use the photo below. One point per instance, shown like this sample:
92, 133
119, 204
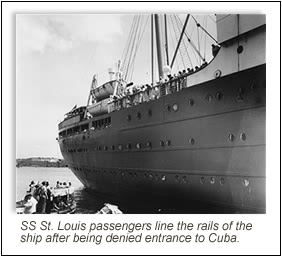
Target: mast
152, 46
166, 41
158, 42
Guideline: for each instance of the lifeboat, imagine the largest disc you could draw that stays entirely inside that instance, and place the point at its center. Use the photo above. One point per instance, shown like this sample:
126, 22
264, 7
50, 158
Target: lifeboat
98, 108
104, 91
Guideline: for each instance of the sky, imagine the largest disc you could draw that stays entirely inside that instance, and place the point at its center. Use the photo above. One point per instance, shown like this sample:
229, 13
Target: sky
56, 58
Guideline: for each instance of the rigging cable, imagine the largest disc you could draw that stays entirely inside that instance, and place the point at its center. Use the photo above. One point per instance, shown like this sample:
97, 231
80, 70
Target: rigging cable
132, 47
138, 42
199, 25
180, 39
193, 49
205, 39
198, 36
128, 43
173, 39
183, 42
193, 45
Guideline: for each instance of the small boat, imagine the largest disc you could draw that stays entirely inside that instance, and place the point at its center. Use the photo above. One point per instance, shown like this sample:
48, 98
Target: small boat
110, 209
62, 202
19, 207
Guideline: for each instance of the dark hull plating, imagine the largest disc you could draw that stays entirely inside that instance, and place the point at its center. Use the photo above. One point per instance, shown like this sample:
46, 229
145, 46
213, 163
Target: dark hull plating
203, 143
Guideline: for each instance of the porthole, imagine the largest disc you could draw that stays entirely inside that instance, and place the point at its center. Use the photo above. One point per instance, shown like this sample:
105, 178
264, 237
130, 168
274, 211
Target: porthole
128, 146
191, 141
222, 181
128, 117
168, 142
243, 136
191, 102
149, 144
209, 98
185, 179
168, 108
151, 177
217, 73
175, 107
138, 145
163, 178
113, 147
120, 147
202, 180
218, 96
150, 113
177, 179
240, 49
138, 115
105, 148
231, 137
212, 180
162, 143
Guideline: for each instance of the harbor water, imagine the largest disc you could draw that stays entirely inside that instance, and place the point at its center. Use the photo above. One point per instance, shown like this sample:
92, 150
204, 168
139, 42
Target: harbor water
88, 202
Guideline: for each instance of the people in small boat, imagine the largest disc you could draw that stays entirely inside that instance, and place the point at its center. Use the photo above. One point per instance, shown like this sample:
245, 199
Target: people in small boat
30, 204
49, 201
42, 198
31, 188
60, 204
36, 194
58, 184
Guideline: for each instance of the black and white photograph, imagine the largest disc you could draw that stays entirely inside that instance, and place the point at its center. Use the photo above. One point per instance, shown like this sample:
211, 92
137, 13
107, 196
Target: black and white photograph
162, 114
140, 113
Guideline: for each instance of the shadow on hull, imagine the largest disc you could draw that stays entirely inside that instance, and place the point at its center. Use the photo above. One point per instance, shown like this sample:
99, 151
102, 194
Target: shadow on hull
154, 204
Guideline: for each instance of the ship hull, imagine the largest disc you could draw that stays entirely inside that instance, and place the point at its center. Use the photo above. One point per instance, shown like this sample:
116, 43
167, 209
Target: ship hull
205, 143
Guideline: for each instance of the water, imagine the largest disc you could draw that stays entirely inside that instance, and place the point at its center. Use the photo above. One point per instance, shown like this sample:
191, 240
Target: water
85, 200
88, 202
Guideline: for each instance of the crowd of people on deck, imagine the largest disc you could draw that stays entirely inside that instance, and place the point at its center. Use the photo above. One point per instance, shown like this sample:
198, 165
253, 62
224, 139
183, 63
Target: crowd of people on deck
41, 198
135, 94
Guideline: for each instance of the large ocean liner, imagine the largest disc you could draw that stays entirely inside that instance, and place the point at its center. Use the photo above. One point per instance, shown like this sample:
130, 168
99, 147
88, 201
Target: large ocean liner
198, 135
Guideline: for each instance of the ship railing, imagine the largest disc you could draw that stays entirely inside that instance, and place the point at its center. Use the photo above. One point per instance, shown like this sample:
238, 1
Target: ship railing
148, 93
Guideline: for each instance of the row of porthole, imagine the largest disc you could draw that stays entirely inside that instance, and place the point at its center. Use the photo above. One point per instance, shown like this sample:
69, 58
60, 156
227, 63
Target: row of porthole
191, 141
203, 180
209, 98
76, 150
191, 102
157, 177
175, 106
120, 147
231, 137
